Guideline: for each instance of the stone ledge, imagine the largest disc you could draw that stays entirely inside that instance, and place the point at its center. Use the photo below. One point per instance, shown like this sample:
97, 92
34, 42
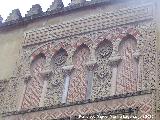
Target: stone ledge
114, 97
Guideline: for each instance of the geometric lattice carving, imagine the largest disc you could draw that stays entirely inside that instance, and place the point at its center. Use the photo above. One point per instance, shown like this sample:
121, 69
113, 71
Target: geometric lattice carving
34, 87
91, 23
56, 83
102, 74
127, 68
78, 83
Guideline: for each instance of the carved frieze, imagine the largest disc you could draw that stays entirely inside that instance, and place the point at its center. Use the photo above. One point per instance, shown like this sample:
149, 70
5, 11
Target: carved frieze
88, 24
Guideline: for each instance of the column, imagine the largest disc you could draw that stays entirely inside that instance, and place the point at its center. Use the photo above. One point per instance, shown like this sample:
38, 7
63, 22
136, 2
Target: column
90, 67
114, 61
67, 70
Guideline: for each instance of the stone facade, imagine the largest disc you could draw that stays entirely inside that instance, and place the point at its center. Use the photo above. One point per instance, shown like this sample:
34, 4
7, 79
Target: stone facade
102, 62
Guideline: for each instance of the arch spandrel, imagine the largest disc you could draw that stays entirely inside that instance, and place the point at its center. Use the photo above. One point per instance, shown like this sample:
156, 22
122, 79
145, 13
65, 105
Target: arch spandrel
56, 81
78, 84
34, 87
102, 73
127, 71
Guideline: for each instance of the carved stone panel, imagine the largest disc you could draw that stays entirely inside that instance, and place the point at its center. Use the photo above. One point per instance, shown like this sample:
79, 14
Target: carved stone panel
102, 74
127, 76
78, 83
32, 95
56, 82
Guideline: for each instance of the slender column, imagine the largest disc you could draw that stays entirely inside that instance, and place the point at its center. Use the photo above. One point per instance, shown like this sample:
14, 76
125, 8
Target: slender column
46, 75
90, 67
114, 61
137, 55
67, 70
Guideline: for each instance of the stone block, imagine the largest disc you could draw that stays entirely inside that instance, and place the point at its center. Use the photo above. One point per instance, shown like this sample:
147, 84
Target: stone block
36, 9
77, 1
15, 15
57, 4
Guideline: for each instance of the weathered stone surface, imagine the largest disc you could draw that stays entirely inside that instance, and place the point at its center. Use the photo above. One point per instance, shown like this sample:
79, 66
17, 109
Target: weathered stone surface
15, 15
36, 9
57, 4
77, 1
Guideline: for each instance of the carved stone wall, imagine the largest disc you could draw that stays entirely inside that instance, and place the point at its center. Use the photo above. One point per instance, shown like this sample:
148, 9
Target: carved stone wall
92, 50
32, 95
103, 73
78, 83
57, 79
127, 76
144, 35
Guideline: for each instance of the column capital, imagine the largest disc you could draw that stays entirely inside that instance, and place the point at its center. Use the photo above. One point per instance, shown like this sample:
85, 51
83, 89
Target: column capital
136, 55
27, 78
68, 69
46, 73
91, 65
115, 60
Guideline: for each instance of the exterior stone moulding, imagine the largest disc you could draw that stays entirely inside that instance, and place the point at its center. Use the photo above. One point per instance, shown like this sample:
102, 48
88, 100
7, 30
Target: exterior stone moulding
142, 100
92, 23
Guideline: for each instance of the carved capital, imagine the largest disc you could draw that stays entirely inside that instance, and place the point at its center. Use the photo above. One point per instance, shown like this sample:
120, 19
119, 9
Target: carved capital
114, 61
136, 55
27, 78
68, 69
46, 73
91, 65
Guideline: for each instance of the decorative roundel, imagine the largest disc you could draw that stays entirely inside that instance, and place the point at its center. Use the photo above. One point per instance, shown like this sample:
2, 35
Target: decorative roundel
60, 58
103, 72
104, 49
